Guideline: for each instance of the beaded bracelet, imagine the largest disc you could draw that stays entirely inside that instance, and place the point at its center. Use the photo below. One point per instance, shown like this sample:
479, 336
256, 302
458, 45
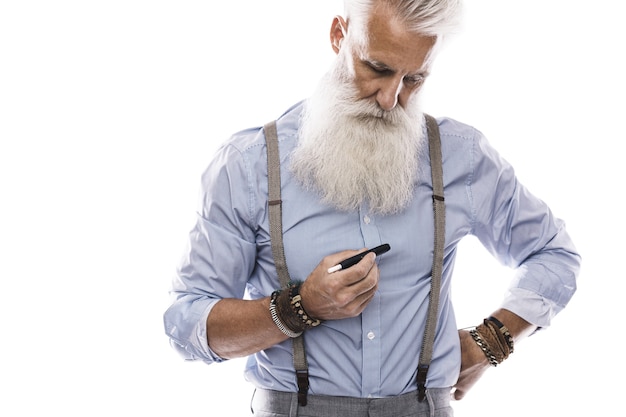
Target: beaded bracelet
281, 326
298, 309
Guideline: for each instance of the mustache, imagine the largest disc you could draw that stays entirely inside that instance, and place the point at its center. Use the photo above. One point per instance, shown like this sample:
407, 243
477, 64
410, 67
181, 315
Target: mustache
345, 100
369, 112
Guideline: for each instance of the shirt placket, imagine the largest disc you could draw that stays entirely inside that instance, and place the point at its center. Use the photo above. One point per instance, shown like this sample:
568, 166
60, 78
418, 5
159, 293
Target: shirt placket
371, 319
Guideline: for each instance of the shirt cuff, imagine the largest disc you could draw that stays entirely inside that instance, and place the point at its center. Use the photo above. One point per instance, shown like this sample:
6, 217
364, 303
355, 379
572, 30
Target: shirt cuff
192, 344
530, 306
200, 340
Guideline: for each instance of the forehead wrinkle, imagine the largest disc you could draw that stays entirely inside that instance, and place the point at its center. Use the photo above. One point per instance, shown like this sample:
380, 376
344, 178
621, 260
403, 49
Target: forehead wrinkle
391, 43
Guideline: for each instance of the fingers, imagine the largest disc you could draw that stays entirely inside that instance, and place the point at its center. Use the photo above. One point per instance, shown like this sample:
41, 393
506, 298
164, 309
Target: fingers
354, 273
473, 365
358, 280
458, 394
360, 283
340, 294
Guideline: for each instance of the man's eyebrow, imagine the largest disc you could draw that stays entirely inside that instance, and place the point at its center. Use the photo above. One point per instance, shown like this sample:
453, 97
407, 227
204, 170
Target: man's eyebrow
421, 73
377, 64
381, 66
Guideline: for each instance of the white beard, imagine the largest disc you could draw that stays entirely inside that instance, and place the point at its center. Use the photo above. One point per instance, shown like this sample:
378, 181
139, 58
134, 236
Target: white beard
352, 151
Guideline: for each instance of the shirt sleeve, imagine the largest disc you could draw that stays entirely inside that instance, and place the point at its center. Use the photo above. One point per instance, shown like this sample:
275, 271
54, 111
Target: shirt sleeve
219, 258
520, 230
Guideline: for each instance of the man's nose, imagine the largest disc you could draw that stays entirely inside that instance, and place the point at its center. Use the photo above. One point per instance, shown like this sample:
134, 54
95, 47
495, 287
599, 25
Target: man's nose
388, 93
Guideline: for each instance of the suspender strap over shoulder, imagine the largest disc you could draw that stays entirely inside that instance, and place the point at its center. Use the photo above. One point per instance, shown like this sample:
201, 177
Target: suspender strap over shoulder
275, 203
436, 171
276, 235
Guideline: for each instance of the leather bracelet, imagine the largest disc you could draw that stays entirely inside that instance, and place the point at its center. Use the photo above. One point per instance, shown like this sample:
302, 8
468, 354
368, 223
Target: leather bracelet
503, 330
484, 347
494, 340
277, 321
286, 314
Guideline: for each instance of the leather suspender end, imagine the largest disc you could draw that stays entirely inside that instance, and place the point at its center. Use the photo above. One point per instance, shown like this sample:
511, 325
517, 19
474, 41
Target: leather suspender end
422, 371
303, 386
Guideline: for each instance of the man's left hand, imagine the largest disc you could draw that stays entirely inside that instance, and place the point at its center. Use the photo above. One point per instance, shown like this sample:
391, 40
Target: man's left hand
474, 363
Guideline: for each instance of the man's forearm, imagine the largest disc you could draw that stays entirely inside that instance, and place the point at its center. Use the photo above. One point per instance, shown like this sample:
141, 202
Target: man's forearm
237, 328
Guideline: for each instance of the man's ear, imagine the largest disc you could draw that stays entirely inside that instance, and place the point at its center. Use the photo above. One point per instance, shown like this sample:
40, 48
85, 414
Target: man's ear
337, 33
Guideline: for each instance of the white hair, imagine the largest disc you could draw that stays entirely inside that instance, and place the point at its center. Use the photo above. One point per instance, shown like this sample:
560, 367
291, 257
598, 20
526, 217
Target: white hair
438, 18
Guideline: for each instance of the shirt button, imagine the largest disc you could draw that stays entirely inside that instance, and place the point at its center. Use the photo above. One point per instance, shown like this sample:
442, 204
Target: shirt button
367, 219
371, 335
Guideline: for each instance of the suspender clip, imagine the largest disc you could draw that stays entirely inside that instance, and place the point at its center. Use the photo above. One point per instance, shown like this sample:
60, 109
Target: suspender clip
422, 371
303, 386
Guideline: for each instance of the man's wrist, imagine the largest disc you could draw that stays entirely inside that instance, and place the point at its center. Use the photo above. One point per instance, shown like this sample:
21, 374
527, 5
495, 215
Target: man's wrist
288, 312
275, 312
295, 301
494, 339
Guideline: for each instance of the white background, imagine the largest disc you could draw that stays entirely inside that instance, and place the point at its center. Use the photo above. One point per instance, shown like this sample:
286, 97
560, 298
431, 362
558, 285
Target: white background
110, 111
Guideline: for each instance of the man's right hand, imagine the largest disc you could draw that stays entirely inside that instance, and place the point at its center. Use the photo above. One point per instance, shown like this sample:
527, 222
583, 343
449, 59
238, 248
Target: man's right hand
340, 294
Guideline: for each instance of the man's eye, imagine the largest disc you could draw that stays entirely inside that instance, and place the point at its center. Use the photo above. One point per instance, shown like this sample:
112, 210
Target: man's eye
414, 80
379, 70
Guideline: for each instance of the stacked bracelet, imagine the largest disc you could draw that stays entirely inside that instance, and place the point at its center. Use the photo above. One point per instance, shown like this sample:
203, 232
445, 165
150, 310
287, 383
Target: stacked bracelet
289, 314
275, 317
484, 346
494, 339
508, 339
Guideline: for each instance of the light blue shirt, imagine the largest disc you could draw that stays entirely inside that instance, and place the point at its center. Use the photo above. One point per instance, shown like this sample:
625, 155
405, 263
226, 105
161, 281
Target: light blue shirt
376, 353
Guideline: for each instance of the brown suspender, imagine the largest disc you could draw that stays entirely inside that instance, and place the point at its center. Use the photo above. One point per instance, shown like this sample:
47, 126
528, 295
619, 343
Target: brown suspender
439, 209
276, 236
